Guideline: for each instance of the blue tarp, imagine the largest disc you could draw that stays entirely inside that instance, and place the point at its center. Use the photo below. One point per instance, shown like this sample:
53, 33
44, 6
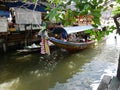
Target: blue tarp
31, 6
4, 13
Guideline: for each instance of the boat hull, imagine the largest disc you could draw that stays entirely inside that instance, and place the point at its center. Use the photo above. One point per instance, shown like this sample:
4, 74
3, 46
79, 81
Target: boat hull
71, 46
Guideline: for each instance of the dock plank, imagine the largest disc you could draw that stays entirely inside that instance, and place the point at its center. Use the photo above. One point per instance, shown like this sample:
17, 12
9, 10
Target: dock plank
104, 83
119, 87
114, 84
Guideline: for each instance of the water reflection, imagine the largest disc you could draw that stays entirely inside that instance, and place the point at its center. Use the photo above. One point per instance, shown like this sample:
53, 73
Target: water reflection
60, 71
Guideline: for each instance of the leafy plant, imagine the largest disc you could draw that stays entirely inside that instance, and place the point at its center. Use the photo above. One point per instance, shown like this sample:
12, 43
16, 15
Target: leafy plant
83, 7
59, 12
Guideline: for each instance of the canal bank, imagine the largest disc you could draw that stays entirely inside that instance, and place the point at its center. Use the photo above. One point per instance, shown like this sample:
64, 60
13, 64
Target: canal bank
78, 71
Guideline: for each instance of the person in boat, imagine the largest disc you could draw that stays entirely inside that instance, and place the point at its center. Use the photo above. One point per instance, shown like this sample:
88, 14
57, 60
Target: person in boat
79, 37
86, 37
72, 37
60, 32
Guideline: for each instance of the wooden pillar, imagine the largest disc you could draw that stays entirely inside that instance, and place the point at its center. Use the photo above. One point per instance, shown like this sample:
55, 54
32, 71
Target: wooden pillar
4, 47
118, 69
26, 35
3, 43
31, 34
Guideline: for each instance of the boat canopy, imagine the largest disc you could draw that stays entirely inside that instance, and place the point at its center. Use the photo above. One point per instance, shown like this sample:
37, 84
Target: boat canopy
75, 29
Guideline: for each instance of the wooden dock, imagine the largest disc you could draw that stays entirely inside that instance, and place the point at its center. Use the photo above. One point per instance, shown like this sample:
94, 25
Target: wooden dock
109, 83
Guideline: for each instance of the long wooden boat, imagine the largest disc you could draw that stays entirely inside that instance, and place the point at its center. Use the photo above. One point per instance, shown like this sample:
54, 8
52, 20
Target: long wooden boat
73, 46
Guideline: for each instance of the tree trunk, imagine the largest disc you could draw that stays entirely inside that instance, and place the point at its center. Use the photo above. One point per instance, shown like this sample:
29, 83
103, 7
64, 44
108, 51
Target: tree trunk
117, 23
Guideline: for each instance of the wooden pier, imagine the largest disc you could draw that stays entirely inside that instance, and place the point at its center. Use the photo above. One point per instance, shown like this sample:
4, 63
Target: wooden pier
15, 39
109, 83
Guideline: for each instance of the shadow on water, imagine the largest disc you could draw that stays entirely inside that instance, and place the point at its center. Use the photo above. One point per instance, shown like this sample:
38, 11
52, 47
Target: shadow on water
41, 72
13, 65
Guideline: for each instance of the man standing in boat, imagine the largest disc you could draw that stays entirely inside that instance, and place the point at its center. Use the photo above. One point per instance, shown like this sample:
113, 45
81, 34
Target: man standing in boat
44, 40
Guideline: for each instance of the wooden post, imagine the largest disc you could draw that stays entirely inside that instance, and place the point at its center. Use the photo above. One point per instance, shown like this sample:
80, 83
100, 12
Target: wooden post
4, 47
3, 43
118, 69
26, 35
31, 34
104, 83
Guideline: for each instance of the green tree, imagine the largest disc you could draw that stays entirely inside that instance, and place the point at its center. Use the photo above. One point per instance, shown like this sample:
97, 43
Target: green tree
59, 11
116, 13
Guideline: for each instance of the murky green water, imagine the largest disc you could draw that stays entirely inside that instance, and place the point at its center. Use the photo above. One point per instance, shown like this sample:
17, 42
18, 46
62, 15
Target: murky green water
78, 71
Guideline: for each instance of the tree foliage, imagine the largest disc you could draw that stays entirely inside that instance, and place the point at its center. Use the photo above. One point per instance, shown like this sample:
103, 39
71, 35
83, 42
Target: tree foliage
83, 7
117, 10
116, 17
60, 12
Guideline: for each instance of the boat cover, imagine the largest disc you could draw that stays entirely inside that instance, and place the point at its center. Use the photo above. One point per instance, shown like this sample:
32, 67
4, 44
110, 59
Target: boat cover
74, 29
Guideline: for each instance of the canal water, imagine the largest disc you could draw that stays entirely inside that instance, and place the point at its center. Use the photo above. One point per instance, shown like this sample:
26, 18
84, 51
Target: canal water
60, 71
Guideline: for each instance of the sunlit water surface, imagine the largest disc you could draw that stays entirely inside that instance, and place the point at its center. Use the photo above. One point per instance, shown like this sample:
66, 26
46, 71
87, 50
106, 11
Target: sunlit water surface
77, 71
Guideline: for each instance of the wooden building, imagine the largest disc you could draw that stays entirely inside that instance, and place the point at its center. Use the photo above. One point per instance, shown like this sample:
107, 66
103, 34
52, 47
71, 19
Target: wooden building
14, 33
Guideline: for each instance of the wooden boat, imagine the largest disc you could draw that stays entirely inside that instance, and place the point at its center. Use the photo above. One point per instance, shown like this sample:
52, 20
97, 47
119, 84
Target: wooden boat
33, 48
73, 46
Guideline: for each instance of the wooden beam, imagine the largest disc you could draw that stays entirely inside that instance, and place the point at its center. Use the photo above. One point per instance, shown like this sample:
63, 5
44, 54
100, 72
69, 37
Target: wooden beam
118, 69
104, 83
114, 84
